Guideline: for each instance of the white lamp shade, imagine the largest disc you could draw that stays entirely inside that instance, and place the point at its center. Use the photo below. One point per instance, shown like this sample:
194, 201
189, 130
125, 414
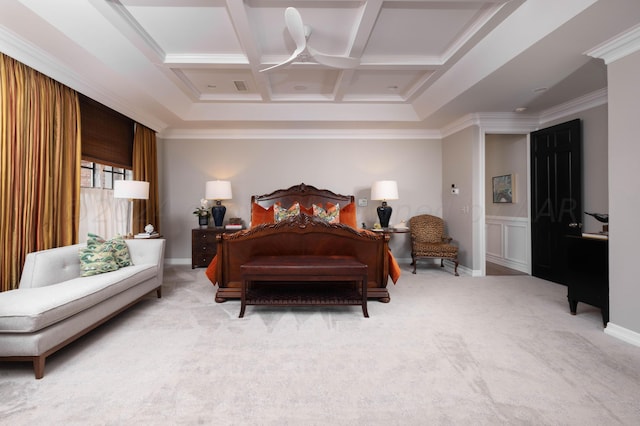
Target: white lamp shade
218, 190
131, 189
384, 190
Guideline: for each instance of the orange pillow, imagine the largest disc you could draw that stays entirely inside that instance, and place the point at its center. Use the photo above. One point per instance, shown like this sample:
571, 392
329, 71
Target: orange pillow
210, 272
306, 210
260, 215
348, 215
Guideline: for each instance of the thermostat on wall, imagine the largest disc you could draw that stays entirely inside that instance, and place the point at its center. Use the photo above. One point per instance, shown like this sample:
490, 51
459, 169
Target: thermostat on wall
362, 202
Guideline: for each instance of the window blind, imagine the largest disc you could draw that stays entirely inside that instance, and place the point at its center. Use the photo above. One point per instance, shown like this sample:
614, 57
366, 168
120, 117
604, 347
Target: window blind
107, 135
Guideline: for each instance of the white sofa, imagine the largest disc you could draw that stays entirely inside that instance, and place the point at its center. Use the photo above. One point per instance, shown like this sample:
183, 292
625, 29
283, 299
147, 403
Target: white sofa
54, 305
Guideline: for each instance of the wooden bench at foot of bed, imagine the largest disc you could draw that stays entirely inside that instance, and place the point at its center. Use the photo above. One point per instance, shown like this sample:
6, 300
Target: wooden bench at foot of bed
304, 281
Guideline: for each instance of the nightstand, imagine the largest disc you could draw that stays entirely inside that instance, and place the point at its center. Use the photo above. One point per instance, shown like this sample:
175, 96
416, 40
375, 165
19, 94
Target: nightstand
203, 246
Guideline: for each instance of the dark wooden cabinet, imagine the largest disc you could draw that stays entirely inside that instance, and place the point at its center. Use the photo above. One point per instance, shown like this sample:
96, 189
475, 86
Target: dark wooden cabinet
587, 273
203, 246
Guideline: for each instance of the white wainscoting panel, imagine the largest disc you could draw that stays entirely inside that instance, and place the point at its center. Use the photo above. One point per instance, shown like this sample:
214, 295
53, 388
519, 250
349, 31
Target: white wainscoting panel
508, 242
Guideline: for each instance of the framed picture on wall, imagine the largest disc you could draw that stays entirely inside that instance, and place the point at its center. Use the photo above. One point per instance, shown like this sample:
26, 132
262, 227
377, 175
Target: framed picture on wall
503, 189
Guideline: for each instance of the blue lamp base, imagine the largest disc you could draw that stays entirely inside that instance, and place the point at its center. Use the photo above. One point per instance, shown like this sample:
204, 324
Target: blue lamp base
218, 212
384, 214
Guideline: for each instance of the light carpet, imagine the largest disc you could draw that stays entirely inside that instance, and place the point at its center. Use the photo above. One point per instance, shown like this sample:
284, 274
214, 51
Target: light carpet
445, 351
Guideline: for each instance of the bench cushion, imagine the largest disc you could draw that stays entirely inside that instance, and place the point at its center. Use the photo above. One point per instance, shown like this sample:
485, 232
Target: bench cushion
31, 309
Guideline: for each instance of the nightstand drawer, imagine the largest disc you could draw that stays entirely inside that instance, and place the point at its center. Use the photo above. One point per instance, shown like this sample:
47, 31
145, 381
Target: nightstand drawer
204, 236
204, 245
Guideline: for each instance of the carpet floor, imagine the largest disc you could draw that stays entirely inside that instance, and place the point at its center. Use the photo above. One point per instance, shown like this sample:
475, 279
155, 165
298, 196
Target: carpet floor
446, 350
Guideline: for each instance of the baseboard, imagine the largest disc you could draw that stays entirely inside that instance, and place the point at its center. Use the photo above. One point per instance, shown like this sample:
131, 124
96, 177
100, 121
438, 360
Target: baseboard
622, 333
177, 261
507, 263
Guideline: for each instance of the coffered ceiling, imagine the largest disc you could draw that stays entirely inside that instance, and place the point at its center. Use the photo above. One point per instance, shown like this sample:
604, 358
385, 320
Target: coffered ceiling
196, 65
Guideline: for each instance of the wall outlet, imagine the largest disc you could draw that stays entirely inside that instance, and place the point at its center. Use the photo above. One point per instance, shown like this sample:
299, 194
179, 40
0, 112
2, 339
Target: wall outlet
362, 202
455, 191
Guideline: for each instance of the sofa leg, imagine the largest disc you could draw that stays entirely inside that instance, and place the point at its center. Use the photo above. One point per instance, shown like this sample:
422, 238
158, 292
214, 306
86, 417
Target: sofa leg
38, 366
159, 292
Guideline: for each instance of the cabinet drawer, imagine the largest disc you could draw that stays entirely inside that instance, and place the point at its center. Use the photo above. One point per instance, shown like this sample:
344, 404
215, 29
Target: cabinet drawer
198, 247
204, 237
201, 261
203, 246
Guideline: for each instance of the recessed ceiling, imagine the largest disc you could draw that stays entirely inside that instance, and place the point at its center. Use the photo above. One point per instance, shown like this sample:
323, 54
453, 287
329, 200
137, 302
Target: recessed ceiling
181, 64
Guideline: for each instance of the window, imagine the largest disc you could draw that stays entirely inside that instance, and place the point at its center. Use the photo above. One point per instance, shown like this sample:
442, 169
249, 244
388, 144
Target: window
95, 175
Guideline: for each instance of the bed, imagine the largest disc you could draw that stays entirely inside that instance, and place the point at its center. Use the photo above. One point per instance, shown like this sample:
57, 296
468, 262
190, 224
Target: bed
284, 223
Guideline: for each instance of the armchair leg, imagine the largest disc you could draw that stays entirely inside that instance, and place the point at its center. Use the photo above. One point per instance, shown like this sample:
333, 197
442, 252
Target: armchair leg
455, 268
413, 262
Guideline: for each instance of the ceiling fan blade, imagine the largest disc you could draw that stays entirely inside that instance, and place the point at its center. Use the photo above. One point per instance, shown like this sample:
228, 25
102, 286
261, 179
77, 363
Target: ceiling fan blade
342, 62
296, 27
296, 30
299, 33
283, 64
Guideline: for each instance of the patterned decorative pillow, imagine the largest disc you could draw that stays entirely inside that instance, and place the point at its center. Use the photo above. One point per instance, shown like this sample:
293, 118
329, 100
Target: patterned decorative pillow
97, 259
94, 240
117, 244
280, 213
331, 214
121, 251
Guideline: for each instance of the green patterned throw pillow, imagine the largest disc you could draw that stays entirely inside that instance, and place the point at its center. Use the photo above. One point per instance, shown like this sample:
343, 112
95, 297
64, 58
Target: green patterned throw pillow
121, 251
330, 215
102, 255
280, 213
118, 245
97, 259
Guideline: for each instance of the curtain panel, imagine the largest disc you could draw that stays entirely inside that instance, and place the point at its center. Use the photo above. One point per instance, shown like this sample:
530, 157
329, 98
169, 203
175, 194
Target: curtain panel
39, 166
145, 168
101, 214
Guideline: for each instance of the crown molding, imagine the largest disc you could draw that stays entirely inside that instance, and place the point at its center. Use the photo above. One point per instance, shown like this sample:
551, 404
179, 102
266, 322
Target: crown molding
30, 55
509, 122
575, 106
494, 122
618, 47
304, 134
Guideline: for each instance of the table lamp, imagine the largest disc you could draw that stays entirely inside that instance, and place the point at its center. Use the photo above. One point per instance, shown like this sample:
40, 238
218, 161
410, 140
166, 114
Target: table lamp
132, 190
218, 190
384, 190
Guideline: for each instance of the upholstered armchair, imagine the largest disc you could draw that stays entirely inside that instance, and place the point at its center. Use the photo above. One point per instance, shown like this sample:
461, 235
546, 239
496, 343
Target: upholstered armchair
429, 242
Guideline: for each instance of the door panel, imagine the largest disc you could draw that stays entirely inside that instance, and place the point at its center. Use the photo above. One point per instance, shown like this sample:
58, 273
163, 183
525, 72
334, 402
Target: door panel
556, 198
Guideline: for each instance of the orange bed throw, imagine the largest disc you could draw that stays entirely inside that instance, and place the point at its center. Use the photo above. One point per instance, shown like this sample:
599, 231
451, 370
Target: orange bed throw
394, 269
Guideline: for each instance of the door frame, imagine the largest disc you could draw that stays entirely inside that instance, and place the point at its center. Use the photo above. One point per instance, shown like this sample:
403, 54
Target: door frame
479, 227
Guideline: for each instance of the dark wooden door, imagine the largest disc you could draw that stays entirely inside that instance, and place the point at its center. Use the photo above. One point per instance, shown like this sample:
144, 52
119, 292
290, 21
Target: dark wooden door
556, 196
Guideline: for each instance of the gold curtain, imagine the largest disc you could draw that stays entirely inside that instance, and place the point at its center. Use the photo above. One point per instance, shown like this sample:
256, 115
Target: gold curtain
145, 168
39, 166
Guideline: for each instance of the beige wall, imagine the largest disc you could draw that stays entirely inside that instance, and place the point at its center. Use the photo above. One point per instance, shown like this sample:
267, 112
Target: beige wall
459, 211
624, 196
261, 166
506, 154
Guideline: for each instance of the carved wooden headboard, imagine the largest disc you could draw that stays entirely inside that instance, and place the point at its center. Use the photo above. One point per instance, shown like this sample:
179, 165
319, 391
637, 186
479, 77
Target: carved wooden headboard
306, 195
